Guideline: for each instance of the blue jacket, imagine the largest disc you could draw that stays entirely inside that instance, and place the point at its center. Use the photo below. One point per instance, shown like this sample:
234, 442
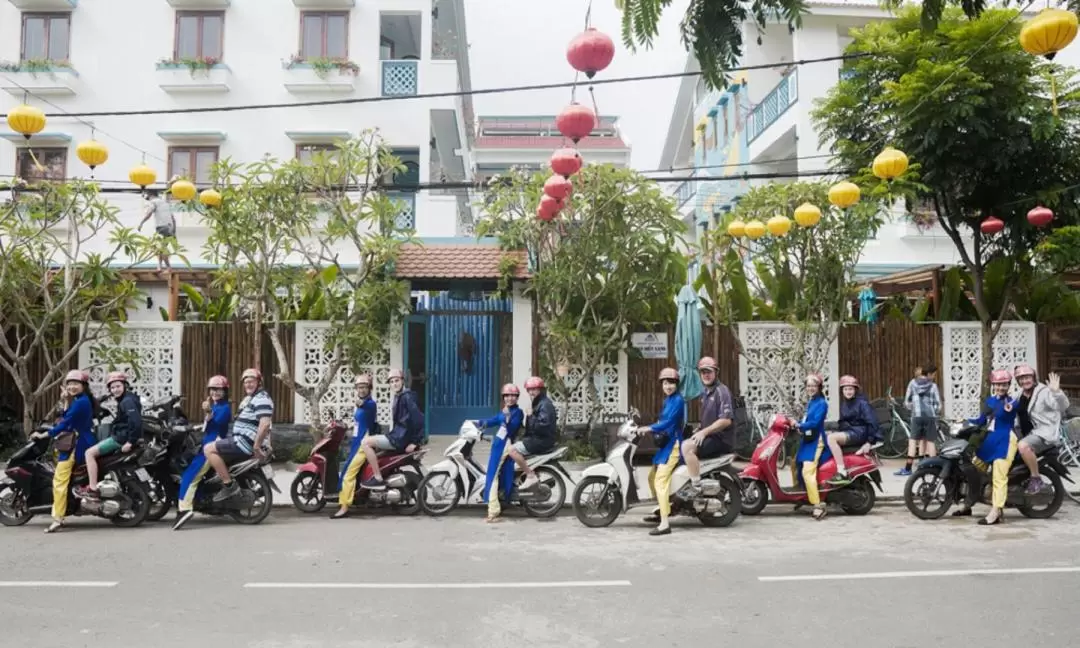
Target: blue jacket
858, 417
672, 420
408, 421
79, 416
540, 427
364, 418
512, 423
128, 425
814, 421
217, 427
501, 473
996, 444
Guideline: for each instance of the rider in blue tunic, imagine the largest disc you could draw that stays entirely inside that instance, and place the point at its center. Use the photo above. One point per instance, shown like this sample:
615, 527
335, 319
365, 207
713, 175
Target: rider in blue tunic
813, 450
997, 451
667, 436
217, 416
500, 473
365, 423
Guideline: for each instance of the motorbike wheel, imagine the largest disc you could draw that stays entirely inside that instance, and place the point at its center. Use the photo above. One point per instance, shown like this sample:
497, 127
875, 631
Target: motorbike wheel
256, 482
447, 504
1055, 502
307, 492
553, 480
754, 497
140, 504
734, 507
160, 502
19, 513
411, 490
924, 475
610, 499
864, 488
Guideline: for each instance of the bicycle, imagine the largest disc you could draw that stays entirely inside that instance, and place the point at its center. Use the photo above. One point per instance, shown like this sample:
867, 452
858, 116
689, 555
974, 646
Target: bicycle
896, 432
1069, 450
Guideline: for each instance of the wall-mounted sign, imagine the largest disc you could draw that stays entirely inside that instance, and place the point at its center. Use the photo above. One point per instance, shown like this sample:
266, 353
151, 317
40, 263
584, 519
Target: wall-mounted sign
653, 346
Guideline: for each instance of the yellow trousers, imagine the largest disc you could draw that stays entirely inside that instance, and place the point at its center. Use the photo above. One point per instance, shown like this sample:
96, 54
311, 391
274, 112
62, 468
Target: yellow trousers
660, 482
1000, 474
809, 475
60, 482
348, 481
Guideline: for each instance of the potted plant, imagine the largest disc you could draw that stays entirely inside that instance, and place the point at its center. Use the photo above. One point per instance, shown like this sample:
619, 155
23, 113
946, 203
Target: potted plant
324, 65
193, 64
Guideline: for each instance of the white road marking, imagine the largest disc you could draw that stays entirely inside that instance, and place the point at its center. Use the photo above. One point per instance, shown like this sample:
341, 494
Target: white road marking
414, 586
58, 584
922, 574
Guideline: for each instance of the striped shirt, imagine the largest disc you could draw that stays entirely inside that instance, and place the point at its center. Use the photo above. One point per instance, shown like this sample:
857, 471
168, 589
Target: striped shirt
246, 428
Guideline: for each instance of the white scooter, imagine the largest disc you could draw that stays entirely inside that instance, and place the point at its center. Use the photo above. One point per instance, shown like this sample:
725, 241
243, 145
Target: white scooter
459, 479
609, 489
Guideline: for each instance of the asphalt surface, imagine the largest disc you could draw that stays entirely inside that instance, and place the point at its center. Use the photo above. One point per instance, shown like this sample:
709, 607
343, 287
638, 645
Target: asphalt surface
301, 581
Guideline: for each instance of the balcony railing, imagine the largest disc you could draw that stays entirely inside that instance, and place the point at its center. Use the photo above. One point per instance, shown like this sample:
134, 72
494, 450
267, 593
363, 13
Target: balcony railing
407, 217
685, 191
399, 78
772, 106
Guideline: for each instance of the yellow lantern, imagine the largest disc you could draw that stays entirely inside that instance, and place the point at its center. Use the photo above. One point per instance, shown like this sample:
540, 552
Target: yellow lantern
1049, 32
736, 229
142, 175
755, 229
210, 198
26, 120
844, 194
92, 153
779, 225
182, 190
890, 163
807, 215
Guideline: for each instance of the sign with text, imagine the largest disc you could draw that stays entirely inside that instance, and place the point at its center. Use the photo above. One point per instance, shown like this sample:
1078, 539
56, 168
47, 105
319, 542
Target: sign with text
653, 346
1063, 345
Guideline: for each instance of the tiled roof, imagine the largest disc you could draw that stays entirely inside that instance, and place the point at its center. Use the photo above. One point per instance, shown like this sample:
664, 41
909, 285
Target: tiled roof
549, 143
455, 262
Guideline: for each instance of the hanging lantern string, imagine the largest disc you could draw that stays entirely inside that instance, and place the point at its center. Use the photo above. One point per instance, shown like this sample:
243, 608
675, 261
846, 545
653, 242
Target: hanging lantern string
596, 109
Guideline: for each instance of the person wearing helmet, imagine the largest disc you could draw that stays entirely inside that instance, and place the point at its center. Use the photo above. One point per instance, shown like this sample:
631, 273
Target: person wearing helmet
813, 450
364, 418
127, 429
667, 435
217, 413
858, 426
541, 427
715, 435
1039, 414
250, 433
500, 473
407, 433
998, 449
74, 436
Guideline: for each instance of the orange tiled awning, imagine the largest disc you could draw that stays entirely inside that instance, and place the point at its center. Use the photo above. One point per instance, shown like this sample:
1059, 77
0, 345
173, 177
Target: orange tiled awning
456, 262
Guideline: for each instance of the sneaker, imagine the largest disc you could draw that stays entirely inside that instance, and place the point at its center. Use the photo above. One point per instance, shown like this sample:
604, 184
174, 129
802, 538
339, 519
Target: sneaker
373, 484
182, 519
693, 490
529, 483
839, 479
903, 472
1034, 485
230, 489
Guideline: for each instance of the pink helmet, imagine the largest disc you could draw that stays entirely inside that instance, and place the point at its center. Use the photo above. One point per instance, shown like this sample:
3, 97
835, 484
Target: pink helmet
849, 381
669, 374
396, 373
77, 375
510, 389
708, 362
362, 379
115, 376
217, 382
817, 378
1023, 370
536, 382
251, 373
1000, 377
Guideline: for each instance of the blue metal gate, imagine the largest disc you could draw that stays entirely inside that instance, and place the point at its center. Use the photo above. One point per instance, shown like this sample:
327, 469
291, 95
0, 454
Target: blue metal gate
467, 358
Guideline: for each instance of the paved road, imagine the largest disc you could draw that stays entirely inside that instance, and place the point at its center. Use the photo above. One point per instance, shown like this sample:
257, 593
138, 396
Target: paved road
420, 582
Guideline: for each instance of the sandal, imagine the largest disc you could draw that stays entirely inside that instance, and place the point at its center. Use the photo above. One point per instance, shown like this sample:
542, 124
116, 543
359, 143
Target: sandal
819, 513
986, 520
492, 519
54, 527
339, 515
659, 532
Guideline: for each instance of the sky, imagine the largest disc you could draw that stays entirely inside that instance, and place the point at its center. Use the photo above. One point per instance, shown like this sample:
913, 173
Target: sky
526, 45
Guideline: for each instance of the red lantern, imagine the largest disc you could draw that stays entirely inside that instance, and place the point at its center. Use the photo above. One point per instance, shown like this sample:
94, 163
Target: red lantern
1040, 216
566, 162
558, 187
576, 121
544, 216
549, 207
991, 226
590, 52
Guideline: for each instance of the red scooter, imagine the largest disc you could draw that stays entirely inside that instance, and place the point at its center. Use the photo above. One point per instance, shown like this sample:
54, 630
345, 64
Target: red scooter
761, 479
316, 481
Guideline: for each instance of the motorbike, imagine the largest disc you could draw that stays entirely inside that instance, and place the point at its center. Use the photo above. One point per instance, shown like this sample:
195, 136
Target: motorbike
458, 479
26, 488
716, 505
761, 482
172, 445
952, 477
315, 485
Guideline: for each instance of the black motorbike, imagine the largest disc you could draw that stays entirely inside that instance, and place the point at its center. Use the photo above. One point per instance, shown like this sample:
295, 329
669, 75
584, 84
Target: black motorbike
26, 488
952, 477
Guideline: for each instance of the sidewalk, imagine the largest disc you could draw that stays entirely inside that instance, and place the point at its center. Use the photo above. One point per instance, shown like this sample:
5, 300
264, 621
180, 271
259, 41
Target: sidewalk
892, 485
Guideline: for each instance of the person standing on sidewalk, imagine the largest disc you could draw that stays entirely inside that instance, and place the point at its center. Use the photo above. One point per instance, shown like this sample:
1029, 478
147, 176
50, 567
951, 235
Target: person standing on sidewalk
924, 401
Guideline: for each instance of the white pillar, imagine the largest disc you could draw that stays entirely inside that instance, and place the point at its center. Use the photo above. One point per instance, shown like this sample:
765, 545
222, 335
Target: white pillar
817, 39
522, 328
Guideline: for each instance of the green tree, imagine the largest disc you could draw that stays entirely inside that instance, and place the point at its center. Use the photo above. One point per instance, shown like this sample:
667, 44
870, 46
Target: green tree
63, 253
1061, 250
321, 228
608, 265
975, 113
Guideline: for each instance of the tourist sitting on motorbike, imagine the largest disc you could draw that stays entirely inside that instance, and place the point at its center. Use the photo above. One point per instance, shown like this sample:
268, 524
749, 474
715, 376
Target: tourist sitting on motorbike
405, 436
715, 435
813, 450
858, 426
667, 436
217, 414
74, 436
500, 474
998, 449
127, 429
364, 418
540, 430
250, 433
1039, 413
